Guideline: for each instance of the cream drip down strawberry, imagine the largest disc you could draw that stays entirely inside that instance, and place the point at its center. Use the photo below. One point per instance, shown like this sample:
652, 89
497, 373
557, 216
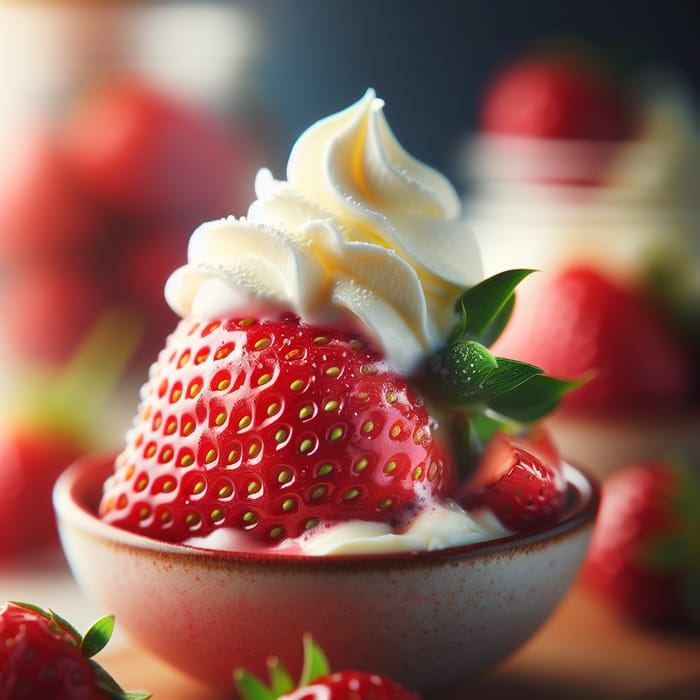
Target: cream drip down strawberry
320, 337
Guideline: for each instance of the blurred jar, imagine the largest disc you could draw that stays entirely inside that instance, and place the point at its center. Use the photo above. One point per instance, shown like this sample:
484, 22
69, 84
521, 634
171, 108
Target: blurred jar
627, 208
544, 203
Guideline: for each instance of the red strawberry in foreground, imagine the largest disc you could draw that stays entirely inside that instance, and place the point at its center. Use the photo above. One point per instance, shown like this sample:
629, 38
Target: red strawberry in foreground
578, 321
318, 683
644, 556
519, 480
42, 657
272, 428
556, 96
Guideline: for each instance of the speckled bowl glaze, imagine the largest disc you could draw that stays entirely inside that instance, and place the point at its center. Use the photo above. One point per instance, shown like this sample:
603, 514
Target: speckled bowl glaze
429, 619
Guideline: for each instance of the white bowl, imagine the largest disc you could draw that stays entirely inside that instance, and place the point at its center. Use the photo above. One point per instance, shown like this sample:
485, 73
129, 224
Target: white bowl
431, 620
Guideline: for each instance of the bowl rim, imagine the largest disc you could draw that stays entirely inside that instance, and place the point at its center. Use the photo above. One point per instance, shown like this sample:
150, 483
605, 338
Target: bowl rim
83, 476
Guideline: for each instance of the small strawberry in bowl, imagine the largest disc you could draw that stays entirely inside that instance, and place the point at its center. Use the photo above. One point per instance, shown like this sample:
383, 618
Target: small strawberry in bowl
520, 480
43, 656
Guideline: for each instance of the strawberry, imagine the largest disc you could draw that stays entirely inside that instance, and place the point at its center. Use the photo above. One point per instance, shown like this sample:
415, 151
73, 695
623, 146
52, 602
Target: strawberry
42, 656
272, 428
48, 419
580, 321
317, 682
42, 212
142, 152
644, 556
556, 95
48, 306
519, 480
30, 462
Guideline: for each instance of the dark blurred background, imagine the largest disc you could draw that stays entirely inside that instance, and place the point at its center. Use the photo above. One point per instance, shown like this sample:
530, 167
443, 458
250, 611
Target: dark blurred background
431, 61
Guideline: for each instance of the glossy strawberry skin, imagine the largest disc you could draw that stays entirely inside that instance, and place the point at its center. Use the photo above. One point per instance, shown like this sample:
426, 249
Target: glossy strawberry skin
39, 660
271, 428
581, 323
519, 481
638, 521
352, 685
555, 97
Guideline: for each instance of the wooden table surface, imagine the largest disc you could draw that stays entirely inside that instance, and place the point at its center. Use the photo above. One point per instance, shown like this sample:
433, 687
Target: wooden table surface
582, 652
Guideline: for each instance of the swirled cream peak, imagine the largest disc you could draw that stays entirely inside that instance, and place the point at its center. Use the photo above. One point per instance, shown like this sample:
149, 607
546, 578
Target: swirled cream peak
361, 234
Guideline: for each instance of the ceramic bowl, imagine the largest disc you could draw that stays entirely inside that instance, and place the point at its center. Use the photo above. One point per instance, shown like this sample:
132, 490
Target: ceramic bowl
431, 619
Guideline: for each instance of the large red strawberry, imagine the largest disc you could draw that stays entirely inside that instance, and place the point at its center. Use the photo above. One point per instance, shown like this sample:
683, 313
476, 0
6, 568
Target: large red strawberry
519, 480
556, 95
42, 657
272, 428
579, 321
644, 556
318, 683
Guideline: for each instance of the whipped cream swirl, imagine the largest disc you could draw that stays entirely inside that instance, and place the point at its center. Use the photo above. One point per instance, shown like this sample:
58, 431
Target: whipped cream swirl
360, 235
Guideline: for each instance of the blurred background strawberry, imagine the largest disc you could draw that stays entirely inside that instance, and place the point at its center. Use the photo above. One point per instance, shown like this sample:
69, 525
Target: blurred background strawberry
644, 558
108, 160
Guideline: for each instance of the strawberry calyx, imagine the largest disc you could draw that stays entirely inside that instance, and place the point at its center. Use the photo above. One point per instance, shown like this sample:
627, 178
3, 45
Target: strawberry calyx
92, 642
316, 670
481, 393
315, 665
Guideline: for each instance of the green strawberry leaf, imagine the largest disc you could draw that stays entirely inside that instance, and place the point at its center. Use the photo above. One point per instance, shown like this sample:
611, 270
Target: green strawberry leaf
62, 623
460, 329
31, 606
280, 681
484, 308
508, 375
315, 662
314, 666
97, 636
250, 687
500, 321
483, 427
467, 373
532, 399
